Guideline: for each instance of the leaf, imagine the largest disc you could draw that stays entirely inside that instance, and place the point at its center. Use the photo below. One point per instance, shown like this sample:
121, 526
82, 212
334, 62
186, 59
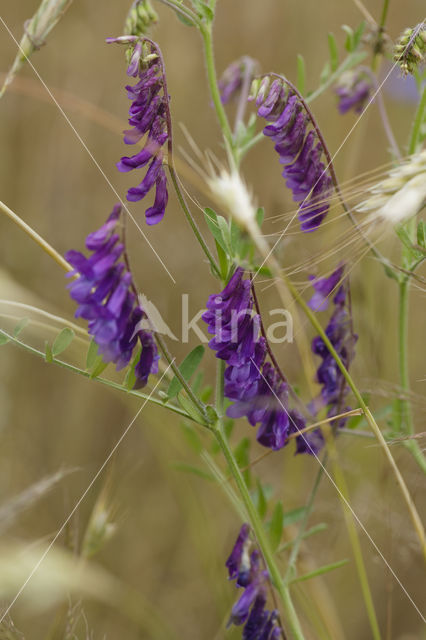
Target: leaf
349, 42
421, 234
261, 502
62, 341
226, 234
187, 369
4, 339
190, 409
260, 216
333, 50
213, 225
358, 35
406, 241
20, 326
295, 515
235, 238
206, 393
189, 468
223, 260
98, 368
242, 456
92, 353
130, 377
48, 352
301, 74
319, 572
276, 526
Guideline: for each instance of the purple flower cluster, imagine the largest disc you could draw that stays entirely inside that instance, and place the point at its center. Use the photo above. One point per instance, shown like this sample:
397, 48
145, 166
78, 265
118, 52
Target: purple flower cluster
299, 151
244, 567
254, 385
339, 332
353, 91
148, 116
232, 80
104, 292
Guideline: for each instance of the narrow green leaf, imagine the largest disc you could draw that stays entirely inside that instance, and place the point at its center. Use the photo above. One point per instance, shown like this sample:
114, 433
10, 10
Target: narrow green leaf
359, 32
295, 515
421, 234
213, 225
301, 74
48, 352
190, 409
20, 326
260, 216
187, 369
98, 368
276, 526
226, 234
319, 572
406, 240
349, 43
206, 393
92, 353
62, 341
261, 502
235, 238
223, 260
333, 51
189, 468
130, 377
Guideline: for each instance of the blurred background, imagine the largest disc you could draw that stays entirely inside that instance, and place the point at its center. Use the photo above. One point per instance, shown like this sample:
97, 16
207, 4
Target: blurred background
174, 530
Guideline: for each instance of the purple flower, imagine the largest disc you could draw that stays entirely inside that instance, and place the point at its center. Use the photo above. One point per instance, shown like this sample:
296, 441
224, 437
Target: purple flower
324, 287
353, 91
260, 624
148, 117
339, 332
105, 295
232, 80
305, 173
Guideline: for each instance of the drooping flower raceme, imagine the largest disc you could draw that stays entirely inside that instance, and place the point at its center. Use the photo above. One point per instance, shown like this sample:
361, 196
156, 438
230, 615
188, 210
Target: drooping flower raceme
299, 150
103, 288
253, 384
353, 90
244, 566
339, 332
148, 118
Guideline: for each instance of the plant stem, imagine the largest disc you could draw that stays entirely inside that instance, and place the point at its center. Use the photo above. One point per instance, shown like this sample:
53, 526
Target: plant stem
340, 481
262, 540
379, 41
104, 381
36, 237
418, 526
405, 418
291, 564
206, 33
182, 10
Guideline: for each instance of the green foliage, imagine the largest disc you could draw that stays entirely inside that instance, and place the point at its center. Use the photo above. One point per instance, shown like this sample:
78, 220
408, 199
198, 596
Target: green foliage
62, 341
242, 456
301, 74
187, 368
333, 52
191, 469
320, 571
276, 526
20, 326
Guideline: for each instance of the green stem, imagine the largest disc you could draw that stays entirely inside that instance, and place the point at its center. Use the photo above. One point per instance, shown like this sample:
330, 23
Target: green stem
191, 220
104, 381
405, 418
340, 481
291, 564
418, 526
262, 540
381, 28
206, 33
182, 10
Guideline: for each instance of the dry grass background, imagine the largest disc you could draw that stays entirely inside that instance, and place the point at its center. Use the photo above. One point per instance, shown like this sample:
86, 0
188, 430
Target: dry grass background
174, 531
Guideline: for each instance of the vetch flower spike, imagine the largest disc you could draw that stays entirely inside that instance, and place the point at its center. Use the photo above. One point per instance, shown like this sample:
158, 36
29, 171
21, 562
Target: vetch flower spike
149, 119
259, 623
106, 297
299, 150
